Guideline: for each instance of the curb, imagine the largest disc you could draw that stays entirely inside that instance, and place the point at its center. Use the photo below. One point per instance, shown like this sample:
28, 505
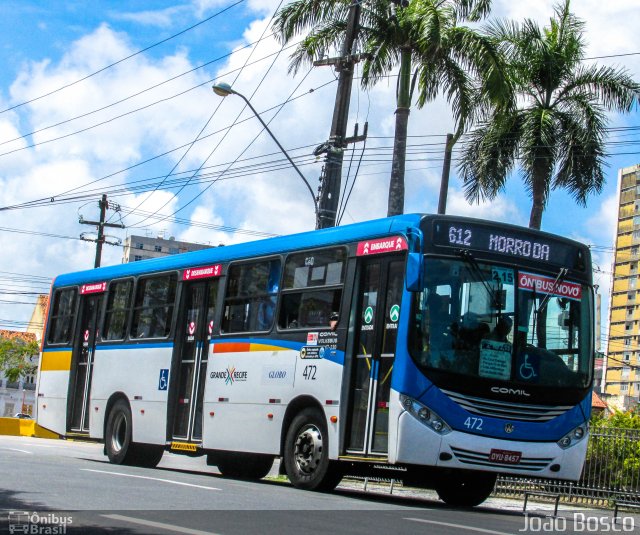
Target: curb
22, 427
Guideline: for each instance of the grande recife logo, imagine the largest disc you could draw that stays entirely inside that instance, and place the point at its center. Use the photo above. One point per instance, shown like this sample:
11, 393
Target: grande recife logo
548, 285
230, 375
382, 245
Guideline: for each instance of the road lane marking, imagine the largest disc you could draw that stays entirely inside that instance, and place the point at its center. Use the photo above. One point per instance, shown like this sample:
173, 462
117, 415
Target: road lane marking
459, 526
151, 478
16, 449
152, 524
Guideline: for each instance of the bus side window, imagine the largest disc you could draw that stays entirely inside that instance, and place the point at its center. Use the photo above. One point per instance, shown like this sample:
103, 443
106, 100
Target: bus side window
312, 289
118, 309
62, 316
251, 297
153, 310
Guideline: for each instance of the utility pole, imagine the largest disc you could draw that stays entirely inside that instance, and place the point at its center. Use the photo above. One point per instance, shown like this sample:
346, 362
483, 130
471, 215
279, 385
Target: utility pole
334, 148
444, 182
104, 205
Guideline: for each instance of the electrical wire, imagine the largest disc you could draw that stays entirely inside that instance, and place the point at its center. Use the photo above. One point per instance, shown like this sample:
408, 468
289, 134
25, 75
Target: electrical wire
61, 88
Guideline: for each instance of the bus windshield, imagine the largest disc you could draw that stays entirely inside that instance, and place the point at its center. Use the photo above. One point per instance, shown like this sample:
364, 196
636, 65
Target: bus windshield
500, 323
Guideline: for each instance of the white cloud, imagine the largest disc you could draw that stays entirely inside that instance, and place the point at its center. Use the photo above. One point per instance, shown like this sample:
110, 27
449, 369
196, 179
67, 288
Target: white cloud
162, 18
499, 209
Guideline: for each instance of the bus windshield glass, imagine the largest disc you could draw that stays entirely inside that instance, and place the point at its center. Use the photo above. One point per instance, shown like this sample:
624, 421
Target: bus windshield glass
503, 324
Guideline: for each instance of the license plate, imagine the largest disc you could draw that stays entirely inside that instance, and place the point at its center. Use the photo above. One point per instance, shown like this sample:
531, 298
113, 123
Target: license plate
505, 456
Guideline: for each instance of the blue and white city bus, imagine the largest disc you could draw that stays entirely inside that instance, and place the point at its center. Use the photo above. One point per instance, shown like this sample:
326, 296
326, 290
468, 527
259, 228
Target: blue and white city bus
434, 349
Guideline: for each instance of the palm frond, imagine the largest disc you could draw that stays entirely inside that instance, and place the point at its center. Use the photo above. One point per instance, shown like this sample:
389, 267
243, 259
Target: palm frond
614, 88
300, 15
488, 156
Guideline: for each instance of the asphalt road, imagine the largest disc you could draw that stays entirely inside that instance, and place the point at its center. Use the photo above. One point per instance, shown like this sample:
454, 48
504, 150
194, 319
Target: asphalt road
56, 487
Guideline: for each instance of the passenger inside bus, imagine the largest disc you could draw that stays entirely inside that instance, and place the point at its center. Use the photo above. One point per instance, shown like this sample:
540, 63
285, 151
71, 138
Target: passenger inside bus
333, 321
502, 329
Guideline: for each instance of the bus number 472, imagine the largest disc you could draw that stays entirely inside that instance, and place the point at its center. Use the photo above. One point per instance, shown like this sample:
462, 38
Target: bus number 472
309, 372
473, 423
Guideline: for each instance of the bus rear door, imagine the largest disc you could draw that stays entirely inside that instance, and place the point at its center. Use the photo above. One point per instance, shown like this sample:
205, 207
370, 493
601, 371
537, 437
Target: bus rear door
82, 361
379, 288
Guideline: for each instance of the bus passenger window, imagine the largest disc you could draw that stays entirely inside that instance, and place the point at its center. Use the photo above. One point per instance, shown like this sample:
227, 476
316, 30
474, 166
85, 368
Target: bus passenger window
117, 316
251, 296
155, 299
312, 289
62, 316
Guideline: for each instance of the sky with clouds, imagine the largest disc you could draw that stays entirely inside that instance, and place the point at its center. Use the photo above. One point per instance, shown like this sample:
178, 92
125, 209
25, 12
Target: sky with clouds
115, 97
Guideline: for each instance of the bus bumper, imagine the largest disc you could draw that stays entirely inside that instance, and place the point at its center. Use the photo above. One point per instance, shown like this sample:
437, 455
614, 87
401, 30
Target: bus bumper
418, 444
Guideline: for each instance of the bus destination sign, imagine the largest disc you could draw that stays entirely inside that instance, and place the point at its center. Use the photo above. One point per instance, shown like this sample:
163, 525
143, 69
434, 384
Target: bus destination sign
391, 244
506, 242
95, 288
203, 272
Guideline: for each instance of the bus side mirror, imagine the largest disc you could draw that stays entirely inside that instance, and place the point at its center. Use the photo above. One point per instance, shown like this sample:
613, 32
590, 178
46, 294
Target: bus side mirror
413, 277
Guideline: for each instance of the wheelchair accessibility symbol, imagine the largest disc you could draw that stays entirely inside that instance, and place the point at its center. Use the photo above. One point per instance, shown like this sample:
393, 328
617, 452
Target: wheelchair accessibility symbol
527, 370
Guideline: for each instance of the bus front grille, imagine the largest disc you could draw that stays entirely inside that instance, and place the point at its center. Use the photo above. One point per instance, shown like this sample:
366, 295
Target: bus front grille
507, 410
529, 464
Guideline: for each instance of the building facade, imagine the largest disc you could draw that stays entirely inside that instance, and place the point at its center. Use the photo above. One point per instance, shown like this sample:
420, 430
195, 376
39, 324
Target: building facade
19, 397
622, 379
138, 248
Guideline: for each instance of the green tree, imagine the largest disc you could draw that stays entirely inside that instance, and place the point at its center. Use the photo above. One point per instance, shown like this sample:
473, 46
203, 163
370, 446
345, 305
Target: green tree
15, 358
613, 455
553, 124
433, 52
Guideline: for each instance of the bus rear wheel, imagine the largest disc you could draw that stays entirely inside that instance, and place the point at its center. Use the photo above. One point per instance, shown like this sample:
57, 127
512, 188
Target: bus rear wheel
306, 453
243, 465
118, 444
466, 489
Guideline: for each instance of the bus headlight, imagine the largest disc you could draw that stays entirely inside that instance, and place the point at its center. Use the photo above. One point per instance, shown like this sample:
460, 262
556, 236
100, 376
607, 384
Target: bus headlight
424, 415
573, 437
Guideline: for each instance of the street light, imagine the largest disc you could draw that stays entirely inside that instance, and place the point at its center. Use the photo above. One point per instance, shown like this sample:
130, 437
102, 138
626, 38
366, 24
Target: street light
222, 90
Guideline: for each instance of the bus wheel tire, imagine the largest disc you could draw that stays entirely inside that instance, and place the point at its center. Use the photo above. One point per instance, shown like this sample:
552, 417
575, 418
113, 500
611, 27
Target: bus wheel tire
466, 489
118, 434
243, 465
306, 453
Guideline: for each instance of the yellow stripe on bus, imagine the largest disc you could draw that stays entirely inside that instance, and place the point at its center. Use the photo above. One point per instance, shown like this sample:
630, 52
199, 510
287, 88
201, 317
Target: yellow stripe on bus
265, 347
54, 361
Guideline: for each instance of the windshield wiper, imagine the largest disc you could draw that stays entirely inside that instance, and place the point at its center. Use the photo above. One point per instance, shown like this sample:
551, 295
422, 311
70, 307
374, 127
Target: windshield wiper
539, 311
559, 280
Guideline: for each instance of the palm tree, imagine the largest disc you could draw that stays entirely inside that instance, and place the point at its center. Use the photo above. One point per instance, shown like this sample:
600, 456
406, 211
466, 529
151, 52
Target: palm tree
424, 38
553, 125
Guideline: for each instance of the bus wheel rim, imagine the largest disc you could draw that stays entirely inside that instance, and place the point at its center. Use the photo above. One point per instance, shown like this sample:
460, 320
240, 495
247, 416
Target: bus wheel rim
119, 433
308, 449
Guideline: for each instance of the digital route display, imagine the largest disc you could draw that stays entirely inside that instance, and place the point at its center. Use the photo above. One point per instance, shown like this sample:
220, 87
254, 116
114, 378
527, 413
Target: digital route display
479, 237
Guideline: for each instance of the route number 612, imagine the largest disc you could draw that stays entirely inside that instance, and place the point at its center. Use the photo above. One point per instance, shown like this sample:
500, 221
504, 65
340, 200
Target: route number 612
460, 236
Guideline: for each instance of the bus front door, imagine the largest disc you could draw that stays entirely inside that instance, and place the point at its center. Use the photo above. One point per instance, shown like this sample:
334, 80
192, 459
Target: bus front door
191, 357
82, 359
378, 311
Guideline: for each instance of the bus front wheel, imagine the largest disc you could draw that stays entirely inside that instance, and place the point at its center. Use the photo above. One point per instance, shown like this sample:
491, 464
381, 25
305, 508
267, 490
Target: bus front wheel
306, 453
466, 489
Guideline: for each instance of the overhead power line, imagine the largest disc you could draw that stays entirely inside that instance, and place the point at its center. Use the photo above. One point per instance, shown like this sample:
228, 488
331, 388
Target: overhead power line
106, 67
